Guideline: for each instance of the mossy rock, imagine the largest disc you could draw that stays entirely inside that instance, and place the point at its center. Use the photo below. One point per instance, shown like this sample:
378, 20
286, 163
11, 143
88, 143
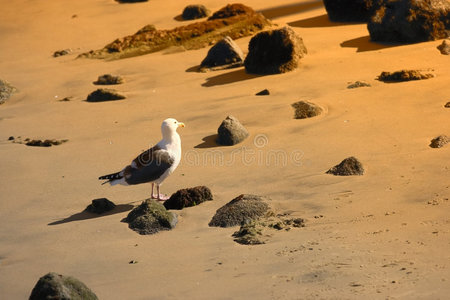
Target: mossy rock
150, 217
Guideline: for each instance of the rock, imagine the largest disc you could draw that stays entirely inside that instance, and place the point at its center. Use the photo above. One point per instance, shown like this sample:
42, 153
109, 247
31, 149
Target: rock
349, 166
100, 206
403, 75
146, 29
305, 109
11, 138
223, 55
264, 92
6, 90
249, 234
44, 143
196, 11
274, 51
444, 47
242, 209
439, 141
235, 21
150, 217
62, 52
358, 84
188, 197
101, 95
231, 132
56, 286
109, 79
410, 21
447, 105
349, 10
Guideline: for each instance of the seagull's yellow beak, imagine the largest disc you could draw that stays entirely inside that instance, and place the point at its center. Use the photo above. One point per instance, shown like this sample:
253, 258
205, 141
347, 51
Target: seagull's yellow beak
180, 124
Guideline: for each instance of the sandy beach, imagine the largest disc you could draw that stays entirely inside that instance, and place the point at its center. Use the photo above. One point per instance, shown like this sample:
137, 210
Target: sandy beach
383, 235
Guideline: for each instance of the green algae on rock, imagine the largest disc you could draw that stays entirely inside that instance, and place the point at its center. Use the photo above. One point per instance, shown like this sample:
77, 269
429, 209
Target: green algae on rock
234, 20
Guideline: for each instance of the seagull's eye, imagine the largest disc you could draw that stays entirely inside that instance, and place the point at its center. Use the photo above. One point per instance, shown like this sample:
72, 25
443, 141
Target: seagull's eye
175, 122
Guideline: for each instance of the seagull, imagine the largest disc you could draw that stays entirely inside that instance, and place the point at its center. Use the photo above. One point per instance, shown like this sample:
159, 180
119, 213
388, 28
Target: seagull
155, 164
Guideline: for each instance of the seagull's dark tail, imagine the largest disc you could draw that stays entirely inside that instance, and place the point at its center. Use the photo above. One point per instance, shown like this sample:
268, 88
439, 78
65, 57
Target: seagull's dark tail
111, 177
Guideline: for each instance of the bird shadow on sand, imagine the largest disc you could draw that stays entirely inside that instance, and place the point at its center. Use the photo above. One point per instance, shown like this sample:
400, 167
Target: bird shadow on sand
363, 44
208, 142
230, 77
85, 215
290, 9
319, 21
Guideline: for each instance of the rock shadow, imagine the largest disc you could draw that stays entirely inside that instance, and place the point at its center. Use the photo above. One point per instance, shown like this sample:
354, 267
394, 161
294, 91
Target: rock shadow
208, 142
85, 215
363, 44
230, 77
319, 21
290, 9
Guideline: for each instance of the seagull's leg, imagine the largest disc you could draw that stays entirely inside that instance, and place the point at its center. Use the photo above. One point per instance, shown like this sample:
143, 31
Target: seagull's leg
153, 195
161, 197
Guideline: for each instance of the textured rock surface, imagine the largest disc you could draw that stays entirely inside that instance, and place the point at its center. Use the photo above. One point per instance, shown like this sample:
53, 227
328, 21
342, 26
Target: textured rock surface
444, 47
349, 10
6, 90
188, 197
410, 21
108, 79
439, 141
44, 143
349, 166
101, 95
62, 52
305, 109
150, 217
195, 11
56, 286
235, 20
403, 75
242, 209
274, 51
100, 206
225, 54
231, 132
358, 84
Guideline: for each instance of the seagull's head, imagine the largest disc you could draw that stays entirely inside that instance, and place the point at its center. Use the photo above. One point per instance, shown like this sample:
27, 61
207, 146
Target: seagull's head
169, 126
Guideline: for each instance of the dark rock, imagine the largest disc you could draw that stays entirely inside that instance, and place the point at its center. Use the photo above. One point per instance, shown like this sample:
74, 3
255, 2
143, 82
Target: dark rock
263, 93
274, 51
439, 141
109, 79
188, 197
349, 10
56, 286
6, 90
225, 54
249, 234
196, 11
11, 138
234, 20
146, 29
403, 75
447, 105
444, 47
101, 95
231, 132
44, 143
62, 52
358, 84
241, 210
410, 21
100, 206
305, 109
349, 166
150, 217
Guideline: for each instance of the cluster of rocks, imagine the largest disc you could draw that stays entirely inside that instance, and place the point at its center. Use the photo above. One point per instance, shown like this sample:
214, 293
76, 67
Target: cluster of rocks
404, 75
37, 142
234, 20
398, 21
6, 90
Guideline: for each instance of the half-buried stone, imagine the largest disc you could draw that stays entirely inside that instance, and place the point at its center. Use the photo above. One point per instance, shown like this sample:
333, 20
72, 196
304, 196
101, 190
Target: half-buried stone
188, 197
439, 141
102, 95
100, 206
223, 55
107, 79
403, 75
6, 90
444, 47
195, 11
241, 210
231, 132
150, 217
305, 109
274, 51
348, 167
